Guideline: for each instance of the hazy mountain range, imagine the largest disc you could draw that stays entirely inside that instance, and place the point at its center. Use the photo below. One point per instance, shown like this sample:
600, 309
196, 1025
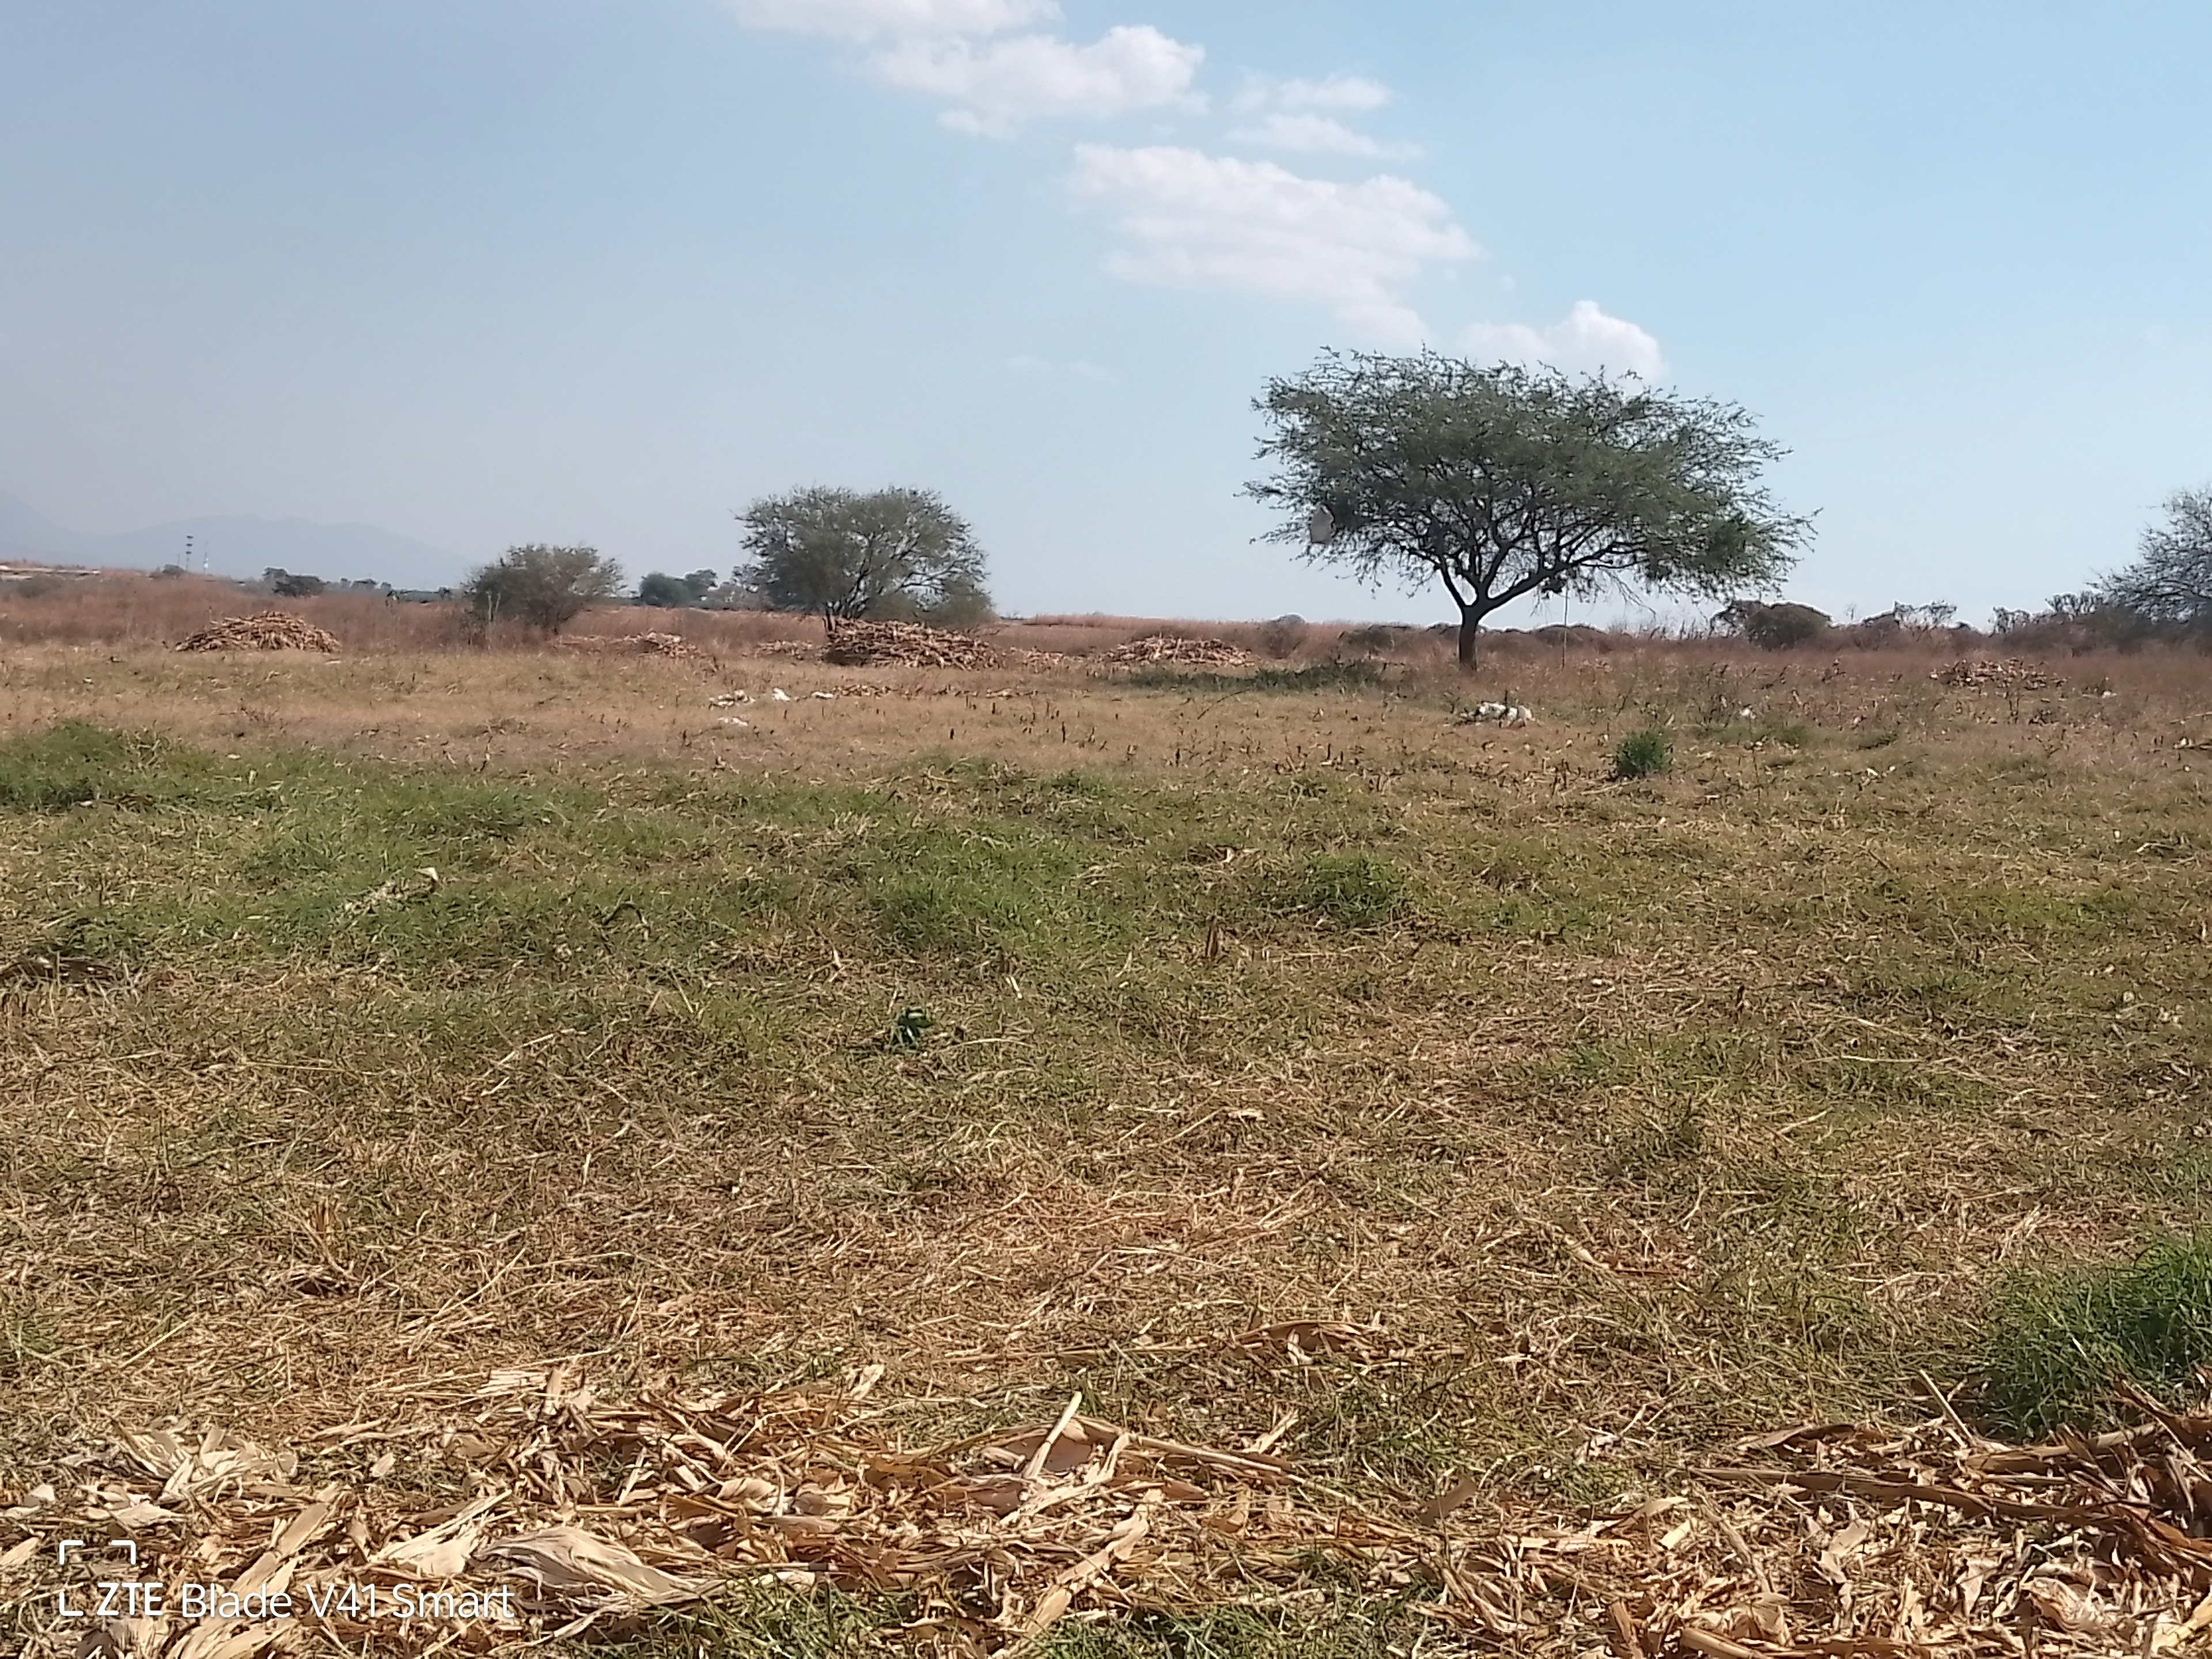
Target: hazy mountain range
235, 546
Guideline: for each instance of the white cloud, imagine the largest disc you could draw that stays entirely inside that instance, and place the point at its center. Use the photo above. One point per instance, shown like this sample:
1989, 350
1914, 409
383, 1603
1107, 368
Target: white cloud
1343, 92
1320, 134
1000, 85
1587, 338
866, 19
1199, 221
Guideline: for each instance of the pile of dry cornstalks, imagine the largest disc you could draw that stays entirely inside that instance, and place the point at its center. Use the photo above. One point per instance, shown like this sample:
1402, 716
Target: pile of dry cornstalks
581, 1513
2011, 674
264, 630
1168, 647
862, 644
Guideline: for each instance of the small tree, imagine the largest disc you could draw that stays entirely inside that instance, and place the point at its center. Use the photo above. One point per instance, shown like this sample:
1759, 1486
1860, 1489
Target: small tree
701, 583
1504, 482
842, 555
1775, 627
2170, 580
542, 587
667, 591
290, 585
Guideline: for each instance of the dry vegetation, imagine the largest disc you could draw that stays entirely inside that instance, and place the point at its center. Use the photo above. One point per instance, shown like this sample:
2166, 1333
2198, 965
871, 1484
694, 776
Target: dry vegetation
1426, 1157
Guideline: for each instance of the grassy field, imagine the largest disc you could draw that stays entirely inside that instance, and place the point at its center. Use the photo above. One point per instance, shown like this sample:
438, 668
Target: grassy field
409, 1016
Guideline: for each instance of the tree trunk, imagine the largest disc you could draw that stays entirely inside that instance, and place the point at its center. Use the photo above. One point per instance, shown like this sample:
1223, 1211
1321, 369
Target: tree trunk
1470, 620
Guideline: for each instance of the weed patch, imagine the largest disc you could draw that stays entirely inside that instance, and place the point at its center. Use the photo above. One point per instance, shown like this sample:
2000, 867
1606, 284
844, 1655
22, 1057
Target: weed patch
2058, 1341
1350, 888
1643, 754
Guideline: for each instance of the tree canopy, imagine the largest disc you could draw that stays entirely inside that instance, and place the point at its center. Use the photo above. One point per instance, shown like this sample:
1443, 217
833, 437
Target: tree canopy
541, 587
842, 555
2170, 580
663, 592
1502, 481
291, 584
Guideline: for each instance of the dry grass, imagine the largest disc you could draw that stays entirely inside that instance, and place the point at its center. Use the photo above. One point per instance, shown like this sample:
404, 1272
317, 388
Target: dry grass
1630, 1117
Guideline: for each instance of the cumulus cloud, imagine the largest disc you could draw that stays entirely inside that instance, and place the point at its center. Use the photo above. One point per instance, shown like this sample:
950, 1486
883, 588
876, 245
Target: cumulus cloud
864, 20
1586, 338
1337, 92
1322, 134
1197, 221
999, 85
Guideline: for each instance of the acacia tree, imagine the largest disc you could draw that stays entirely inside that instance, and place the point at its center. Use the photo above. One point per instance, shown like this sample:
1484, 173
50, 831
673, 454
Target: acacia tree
543, 587
843, 555
2170, 580
1502, 481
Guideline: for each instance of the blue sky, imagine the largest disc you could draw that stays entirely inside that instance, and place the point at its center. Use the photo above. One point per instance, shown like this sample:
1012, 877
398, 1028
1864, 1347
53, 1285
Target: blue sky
486, 271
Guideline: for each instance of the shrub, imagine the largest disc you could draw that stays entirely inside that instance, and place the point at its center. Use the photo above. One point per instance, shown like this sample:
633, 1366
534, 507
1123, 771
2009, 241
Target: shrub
666, 593
1775, 627
1643, 754
1283, 636
2057, 1342
293, 584
542, 587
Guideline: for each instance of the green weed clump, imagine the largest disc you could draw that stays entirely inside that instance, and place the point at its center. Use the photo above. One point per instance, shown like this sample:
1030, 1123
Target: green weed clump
1643, 754
2058, 1343
1350, 888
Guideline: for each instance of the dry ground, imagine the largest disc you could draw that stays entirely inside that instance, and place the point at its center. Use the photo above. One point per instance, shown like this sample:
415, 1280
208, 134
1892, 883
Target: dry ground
1629, 1117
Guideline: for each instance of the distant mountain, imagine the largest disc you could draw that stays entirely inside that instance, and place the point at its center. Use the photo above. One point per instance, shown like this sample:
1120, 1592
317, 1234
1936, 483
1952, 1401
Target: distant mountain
236, 546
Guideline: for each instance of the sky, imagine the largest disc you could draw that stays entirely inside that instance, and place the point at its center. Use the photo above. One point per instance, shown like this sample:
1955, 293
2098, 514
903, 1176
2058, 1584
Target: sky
490, 271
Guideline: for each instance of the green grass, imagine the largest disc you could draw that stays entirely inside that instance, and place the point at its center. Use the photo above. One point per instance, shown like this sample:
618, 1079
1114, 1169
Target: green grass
1649, 1100
2058, 1341
1352, 890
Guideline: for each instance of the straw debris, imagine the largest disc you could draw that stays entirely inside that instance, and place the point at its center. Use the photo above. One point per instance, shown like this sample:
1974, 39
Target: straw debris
910, 645
1818, 1540
2011, 674
648, 644
264, 630
1171, 648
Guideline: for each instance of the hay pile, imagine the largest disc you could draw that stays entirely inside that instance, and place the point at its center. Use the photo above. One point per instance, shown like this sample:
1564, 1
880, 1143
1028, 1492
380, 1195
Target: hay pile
910, 645
2011, 675
1822, 1539
264, 630
1168, 647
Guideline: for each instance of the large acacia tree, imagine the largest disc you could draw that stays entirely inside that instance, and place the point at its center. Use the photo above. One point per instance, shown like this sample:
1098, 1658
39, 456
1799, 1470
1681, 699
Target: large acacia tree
1502, 481
843, 555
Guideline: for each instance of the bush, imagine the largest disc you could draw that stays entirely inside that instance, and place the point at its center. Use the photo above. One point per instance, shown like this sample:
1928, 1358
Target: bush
1643, 754
1776, 626
2056, 1343
666, 593
540, 587
1283, 636
292, 583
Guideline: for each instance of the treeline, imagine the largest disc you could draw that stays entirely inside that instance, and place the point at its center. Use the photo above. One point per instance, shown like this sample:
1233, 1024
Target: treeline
2164, 596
